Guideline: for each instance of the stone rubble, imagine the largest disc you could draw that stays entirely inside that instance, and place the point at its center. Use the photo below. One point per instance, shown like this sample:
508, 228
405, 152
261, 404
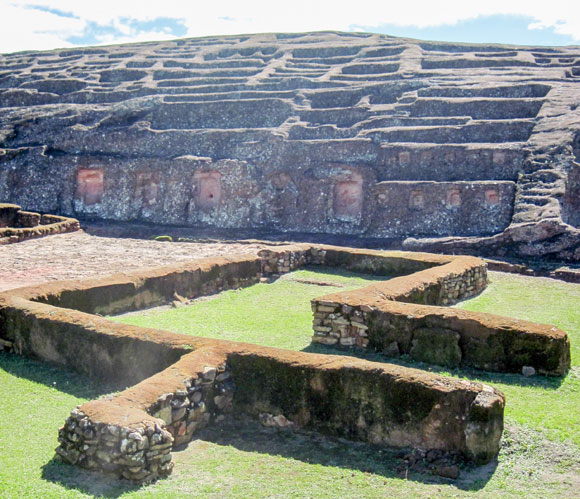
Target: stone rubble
279, 421
133, 453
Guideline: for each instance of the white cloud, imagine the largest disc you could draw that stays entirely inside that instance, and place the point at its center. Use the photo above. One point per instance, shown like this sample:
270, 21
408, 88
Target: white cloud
32, 29
146, 36
25, 27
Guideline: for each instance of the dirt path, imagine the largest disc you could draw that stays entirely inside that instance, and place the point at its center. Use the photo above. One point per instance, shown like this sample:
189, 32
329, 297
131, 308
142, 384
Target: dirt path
78, 255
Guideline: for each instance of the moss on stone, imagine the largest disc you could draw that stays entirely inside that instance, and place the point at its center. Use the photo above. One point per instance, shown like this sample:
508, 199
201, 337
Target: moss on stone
436, 346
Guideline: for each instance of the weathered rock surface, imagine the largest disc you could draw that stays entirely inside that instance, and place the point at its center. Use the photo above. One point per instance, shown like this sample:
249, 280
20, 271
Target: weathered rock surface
446, 146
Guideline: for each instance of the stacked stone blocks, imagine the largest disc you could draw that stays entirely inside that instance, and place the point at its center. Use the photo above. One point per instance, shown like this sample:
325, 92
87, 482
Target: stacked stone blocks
143, 450
402, 316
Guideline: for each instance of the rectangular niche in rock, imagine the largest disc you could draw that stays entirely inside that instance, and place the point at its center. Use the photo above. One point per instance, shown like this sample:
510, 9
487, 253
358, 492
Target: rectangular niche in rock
147, 188
348, 199
207, 190
90, 187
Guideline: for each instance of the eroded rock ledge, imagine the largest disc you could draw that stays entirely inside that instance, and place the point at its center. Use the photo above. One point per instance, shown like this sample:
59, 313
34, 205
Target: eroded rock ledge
453, 147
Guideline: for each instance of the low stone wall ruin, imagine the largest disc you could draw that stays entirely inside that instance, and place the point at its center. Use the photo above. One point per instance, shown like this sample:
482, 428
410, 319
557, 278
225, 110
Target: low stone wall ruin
338, 395
185, 383
17, 225
135, 440
403, 316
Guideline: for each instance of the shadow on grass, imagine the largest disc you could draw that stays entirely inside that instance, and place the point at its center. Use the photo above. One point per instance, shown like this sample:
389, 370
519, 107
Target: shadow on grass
241, 433
248, 435
546, 382
86, 482
61, 380
327, 273
148, 230
341, 272
54, 376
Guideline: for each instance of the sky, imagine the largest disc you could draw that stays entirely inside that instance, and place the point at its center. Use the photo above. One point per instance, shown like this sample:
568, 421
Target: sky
43, 25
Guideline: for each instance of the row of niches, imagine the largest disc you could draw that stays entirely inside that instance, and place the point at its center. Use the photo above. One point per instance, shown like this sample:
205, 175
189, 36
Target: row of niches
90, 188
348, 195
453, 199
343, 202
448, 163
482, 157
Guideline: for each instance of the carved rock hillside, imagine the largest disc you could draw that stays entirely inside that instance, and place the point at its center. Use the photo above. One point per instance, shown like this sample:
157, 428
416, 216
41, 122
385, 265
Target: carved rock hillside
444, 146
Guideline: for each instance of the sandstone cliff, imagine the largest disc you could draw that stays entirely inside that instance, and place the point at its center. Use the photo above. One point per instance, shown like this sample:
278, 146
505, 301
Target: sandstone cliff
452, 147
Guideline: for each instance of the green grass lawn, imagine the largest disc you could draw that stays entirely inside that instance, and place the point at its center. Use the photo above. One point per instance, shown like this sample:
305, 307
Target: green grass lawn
276, 315
540, 455
551, 404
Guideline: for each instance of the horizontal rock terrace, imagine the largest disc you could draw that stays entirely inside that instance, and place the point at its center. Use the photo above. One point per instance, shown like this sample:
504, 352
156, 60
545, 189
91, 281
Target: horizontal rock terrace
185, 383
448, 146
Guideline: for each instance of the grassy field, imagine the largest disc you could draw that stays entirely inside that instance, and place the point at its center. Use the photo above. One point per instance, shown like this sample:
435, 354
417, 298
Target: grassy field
540, 455
551, 404
276, 315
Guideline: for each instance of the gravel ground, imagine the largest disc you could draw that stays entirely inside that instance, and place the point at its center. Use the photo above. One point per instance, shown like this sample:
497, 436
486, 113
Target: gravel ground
78, 254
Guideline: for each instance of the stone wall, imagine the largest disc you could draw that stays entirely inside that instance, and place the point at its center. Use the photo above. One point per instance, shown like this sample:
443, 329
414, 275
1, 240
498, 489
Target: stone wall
350, 398
186, 382
149, 288
337, 198
452, 339
435, 280
8, 215
135, 441
394, 406
381, 318
285, 259
136, 454
18, 225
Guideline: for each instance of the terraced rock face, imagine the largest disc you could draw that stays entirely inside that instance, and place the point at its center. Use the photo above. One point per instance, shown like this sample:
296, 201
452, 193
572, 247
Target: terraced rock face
445, 146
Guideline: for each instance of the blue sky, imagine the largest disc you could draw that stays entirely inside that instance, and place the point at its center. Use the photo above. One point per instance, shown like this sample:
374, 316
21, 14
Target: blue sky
42, 24
498, 28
